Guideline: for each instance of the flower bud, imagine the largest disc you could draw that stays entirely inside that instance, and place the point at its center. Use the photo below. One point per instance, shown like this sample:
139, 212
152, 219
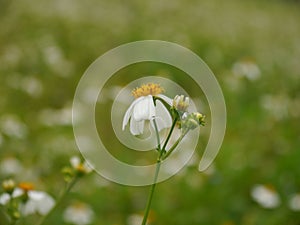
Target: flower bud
8, 186
181, 103
80, 167
192, 121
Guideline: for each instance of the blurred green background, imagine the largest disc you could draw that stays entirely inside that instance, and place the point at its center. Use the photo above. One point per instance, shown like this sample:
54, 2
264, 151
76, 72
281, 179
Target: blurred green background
253, 47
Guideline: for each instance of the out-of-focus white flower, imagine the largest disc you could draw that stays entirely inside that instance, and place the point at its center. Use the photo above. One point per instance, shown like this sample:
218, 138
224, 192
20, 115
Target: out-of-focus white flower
4, 198
265, 196
10, 166
8, 185
79, 166
276, 105
247, 69
53, 117
78, 214
134, 219
294, 202
143, 109
38, 202
56, 60
12, 126
32, 86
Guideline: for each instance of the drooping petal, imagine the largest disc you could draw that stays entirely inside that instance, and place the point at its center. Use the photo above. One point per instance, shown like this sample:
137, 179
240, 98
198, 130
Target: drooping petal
163, 117
128, 113
136, 127
167, 99
144, 109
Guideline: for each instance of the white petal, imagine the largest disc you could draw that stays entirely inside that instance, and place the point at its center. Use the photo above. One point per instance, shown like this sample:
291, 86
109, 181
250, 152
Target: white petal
36, 195
75, 161
167, 99
144, 110
163, 117
4, 199
129, 112
39, 202
136, 127
28, 208
45, 205
17, 192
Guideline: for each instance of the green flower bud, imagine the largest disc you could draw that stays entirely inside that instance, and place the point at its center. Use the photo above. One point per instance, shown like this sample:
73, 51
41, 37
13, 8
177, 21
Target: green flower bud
8, 186
192, 121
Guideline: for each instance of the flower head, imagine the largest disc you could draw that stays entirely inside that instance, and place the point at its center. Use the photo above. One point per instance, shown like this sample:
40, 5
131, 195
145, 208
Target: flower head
143, 108
181, 103
147, 89
78, 214
32, 201
192, 120
38, 202
79, 166
9, 186
266, 196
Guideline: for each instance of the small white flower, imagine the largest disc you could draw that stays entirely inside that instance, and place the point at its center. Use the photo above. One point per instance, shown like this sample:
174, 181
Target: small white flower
134, 219
294, 202
80, 166
265, 196
246, 68
4, 198
38, 202
143, 109
78, 214
10, 166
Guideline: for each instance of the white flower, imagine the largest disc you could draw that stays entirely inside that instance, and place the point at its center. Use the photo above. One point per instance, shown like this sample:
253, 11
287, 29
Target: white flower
4, 198
38, 202
134, 219
143, 109
10, 166
80, 166
266, 196
79, 214
294, 202
246, 68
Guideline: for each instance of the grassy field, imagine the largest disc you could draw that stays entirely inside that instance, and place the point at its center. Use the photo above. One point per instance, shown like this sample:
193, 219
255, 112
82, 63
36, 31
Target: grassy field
253, 48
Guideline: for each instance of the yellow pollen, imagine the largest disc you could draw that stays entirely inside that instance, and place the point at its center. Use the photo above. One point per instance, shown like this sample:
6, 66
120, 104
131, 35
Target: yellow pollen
26, 186
147, 89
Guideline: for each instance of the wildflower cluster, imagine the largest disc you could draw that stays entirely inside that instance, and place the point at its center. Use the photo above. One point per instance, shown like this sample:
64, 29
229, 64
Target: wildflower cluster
22, 199
162, 112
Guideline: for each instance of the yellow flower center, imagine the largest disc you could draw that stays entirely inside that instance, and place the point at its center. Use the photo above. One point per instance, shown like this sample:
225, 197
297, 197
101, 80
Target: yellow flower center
26, 186
147, 89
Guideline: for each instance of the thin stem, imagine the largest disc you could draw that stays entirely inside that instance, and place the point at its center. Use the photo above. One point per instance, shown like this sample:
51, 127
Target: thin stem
157, 134
169, 135
173, 147
147, 210
60, 198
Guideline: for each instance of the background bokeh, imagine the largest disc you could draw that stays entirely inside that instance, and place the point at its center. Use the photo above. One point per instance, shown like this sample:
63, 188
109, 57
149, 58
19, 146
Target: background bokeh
253, 47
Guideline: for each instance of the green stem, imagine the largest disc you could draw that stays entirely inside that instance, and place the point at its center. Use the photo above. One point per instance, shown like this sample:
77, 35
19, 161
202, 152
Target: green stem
157, 134
60, 198
147, 210
169, 135
173, 147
